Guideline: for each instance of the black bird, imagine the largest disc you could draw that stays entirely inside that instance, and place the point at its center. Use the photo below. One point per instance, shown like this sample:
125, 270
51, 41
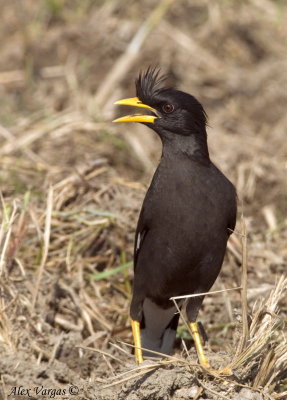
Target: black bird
187, 215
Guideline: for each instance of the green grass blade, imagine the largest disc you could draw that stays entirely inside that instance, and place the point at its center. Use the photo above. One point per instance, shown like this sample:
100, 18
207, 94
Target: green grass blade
106, 274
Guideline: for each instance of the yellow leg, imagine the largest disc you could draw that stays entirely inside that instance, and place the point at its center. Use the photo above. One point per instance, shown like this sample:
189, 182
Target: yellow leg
200, 352
137, 340
198, 344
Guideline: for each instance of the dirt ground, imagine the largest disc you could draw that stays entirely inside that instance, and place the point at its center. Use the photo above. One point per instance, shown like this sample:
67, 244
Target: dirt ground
72, 184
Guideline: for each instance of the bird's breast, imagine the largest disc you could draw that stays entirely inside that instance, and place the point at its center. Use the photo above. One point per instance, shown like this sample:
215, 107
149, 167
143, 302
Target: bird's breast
187, 201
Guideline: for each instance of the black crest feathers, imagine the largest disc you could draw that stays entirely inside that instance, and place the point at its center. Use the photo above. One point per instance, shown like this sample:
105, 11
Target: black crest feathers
148, 84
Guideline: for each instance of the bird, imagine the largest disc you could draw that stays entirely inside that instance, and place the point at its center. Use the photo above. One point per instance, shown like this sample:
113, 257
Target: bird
188, 213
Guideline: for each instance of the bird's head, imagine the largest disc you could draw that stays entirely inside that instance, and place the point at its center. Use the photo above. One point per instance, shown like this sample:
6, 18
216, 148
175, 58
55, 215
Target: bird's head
169, 111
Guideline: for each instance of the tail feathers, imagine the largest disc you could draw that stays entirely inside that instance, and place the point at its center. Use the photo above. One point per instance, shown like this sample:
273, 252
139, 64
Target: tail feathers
158, 328
163, 345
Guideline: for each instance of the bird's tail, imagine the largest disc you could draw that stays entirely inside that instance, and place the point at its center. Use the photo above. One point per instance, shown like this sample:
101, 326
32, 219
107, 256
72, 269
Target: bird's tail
158, 328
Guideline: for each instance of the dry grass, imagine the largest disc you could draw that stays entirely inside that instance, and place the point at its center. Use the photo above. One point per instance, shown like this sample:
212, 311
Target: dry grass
72, 184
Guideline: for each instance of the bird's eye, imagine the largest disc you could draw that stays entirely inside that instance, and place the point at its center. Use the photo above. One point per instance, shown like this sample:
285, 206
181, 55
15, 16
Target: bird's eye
168, 108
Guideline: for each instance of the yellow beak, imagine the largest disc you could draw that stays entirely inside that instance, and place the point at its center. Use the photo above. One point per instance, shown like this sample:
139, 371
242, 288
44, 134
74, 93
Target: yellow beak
135, 102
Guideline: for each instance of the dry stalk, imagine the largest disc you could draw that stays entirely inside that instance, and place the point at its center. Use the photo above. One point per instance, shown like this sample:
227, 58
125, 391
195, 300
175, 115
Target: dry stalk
245, 329
212, 391
3, 390
6, 330
46, 244
13, 143
264, 332
5, 232
142, 370
205, 293
101, 352
166, 357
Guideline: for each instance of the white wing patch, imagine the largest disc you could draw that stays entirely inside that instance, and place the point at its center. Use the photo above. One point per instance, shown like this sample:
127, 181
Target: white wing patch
138, 245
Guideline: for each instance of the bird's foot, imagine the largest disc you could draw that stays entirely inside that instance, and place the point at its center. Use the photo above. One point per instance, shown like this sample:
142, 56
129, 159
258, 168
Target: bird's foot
201, 355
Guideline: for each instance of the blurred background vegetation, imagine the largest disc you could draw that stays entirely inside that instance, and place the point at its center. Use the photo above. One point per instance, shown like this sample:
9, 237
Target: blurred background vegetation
63, 63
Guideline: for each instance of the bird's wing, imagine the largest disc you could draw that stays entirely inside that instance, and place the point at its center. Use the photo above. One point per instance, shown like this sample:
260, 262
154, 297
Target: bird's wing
141, 232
